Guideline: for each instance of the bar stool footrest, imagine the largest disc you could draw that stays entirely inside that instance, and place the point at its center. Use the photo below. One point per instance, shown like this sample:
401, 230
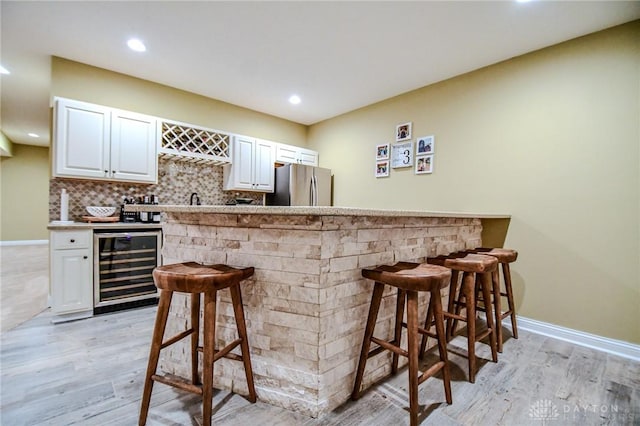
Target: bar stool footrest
484, 334
506, 314
177, 382
176, 338
431, 371
224, 352
427, 333
389, 346
455, 316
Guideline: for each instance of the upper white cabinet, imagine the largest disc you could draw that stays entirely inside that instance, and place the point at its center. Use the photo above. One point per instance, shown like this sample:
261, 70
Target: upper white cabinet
97, 142
252, 165
133, 147
295, 154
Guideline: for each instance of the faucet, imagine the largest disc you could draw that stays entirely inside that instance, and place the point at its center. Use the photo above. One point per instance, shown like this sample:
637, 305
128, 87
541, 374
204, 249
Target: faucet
195, 194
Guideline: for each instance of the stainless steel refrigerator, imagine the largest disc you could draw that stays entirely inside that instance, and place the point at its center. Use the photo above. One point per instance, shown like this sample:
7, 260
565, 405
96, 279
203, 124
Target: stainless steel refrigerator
300, 185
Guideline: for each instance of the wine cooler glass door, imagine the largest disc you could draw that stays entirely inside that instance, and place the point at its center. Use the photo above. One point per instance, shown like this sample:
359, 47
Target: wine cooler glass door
124, 263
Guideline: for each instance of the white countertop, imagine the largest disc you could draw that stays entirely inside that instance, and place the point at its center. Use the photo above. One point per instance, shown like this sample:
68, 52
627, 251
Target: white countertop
305, 210
53, 226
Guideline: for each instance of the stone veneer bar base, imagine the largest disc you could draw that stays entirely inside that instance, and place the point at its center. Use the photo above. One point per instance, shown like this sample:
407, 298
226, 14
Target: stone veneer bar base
306, 305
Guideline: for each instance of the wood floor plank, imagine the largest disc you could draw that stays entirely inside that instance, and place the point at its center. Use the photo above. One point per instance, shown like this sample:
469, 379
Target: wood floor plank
90, 372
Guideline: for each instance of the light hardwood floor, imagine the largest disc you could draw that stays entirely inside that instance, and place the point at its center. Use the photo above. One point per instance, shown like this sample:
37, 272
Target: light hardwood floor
24, 283
90, 372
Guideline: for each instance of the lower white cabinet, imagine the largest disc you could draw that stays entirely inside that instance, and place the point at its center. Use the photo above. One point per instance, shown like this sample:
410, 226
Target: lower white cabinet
71, 272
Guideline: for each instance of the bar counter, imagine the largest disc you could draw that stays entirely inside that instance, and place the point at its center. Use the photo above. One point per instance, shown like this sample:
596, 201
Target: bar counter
307, 303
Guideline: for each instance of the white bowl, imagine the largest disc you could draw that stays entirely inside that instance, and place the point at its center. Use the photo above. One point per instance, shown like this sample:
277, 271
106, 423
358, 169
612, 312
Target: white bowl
98, 211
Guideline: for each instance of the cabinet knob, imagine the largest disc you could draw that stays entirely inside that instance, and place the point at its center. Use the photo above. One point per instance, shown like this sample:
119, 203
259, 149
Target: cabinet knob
106, 172
113, 172
72, 240
85, 257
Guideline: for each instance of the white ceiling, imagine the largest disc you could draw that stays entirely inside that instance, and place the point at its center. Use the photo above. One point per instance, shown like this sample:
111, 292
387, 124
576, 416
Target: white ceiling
337, 56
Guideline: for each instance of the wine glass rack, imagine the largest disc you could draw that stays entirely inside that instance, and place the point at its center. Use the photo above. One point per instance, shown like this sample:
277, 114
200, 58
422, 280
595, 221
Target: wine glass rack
185, 142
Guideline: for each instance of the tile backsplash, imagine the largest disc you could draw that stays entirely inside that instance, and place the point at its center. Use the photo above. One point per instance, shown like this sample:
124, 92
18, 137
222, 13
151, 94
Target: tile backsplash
176, 182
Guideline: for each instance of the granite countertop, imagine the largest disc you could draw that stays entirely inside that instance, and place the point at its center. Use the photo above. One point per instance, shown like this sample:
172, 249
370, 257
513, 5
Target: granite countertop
305, 210
54, 226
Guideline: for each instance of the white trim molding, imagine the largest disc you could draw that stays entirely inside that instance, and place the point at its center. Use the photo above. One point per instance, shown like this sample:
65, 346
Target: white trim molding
604, 344
23, 243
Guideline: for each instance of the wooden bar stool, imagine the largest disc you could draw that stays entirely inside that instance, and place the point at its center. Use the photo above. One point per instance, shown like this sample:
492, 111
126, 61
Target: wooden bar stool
196, 279
409, 279
471, 265
505, 257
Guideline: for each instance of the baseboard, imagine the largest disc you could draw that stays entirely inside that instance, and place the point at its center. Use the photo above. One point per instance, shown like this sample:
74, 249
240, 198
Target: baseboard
23, 243
604, 344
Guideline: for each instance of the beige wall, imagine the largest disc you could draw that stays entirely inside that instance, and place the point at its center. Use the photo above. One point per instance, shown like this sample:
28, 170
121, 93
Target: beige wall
552, 138
24, 196
6, 147
96, 85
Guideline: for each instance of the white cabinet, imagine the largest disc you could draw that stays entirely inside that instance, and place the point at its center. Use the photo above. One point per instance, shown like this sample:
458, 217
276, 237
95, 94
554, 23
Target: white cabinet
97, 142
71, 272
133, 147
252, 165
295, 154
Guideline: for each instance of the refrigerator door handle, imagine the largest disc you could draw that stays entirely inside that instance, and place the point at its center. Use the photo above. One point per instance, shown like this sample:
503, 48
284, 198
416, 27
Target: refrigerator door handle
314, 191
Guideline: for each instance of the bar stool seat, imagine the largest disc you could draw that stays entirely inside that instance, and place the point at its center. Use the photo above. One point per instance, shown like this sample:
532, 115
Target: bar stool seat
505, 257
409, 279
471, 266
197, 279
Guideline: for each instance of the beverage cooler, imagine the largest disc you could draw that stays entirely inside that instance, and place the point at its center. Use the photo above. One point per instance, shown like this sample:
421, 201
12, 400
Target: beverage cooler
123, 266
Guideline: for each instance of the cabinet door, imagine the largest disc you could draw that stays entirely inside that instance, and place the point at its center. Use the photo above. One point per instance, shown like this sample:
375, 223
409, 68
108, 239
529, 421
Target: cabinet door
308, 157
133, 147
243, 163
81, 139
286, 153
71, 281
264, 170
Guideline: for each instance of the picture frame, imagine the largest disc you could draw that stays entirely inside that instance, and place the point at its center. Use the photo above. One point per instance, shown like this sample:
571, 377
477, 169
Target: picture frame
403, 131
424, 164
402, 155
382, 152
425, 145
382, 168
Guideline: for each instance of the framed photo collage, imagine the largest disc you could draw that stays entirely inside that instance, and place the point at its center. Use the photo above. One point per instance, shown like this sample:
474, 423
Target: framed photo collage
401, 153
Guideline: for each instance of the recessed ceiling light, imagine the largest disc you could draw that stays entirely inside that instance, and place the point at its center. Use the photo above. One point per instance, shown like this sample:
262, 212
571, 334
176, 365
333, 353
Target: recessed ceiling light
294, 99
3, 70
34, 135
136, 44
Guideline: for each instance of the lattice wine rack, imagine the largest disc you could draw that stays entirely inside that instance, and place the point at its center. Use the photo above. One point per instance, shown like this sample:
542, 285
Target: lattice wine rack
185, 142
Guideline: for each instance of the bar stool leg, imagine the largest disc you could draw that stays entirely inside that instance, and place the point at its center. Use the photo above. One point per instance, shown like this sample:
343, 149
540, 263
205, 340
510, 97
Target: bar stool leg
195, 336
452, 298
468, 290
427, 326
376, 298
154, 354
506, 272
209, 351
397, 336
413, 346
238, 310
436, 302
497, 304
486, 294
